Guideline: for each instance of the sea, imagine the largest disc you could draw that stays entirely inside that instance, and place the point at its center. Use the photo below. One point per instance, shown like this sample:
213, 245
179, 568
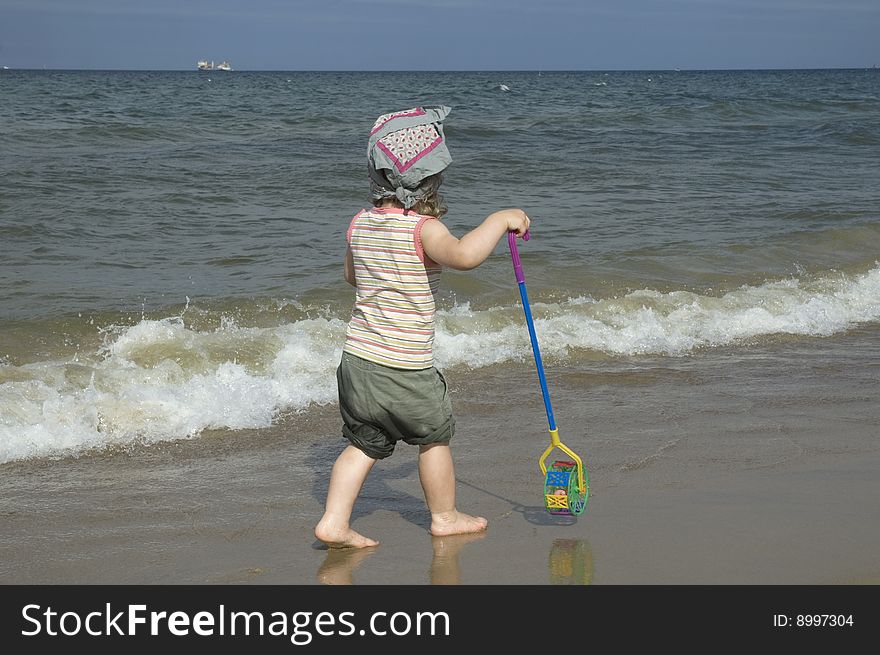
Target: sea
171, 243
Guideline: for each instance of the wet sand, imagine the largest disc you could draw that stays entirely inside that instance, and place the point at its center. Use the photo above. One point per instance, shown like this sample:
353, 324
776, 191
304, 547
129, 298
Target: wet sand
752, 467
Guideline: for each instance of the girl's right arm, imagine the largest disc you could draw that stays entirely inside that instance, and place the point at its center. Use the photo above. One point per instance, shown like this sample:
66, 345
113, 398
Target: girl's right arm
474, 247
349, 268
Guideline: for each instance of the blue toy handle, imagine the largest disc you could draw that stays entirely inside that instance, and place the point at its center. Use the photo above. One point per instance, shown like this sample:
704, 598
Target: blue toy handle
521, 282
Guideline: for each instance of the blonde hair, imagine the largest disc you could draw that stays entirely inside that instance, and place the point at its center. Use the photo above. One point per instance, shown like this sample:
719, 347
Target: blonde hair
432, 204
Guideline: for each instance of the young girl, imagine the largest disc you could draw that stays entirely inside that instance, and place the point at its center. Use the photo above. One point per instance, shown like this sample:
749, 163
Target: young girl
389, 390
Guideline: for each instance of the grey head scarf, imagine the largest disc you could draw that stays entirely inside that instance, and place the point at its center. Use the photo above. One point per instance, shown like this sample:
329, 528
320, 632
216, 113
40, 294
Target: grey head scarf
405, 147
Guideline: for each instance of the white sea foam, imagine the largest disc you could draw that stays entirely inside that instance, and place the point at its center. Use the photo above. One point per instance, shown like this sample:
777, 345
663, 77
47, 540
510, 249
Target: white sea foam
159, 380
675, 323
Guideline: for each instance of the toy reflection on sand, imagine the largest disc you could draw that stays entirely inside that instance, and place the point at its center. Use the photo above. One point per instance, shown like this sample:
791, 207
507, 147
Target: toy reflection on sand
571, 562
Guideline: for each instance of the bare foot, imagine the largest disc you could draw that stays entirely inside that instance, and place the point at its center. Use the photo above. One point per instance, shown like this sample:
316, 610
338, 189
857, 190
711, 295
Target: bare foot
336, 537
456, 522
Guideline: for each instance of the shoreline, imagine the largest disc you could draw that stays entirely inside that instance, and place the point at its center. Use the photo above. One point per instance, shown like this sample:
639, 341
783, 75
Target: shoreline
742, 529
763, 472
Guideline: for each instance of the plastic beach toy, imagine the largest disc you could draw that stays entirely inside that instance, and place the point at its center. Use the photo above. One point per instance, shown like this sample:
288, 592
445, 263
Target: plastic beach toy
566, 484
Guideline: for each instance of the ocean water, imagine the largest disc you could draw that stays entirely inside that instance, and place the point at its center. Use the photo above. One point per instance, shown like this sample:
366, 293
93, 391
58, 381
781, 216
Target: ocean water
171, 242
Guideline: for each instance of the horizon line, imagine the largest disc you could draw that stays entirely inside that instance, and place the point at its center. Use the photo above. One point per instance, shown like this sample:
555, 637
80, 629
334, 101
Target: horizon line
449, 70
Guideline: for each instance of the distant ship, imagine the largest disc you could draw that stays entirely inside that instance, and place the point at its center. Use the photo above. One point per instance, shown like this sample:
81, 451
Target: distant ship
205, 65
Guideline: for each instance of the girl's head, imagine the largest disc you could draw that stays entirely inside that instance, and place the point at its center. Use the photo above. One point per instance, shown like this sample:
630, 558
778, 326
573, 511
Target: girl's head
405, 158
429, 203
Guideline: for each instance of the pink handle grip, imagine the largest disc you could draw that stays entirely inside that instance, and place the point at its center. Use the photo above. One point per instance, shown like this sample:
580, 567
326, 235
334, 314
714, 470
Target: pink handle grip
514, 255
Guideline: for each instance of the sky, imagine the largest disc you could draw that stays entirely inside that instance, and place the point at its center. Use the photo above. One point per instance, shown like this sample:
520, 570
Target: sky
440, 34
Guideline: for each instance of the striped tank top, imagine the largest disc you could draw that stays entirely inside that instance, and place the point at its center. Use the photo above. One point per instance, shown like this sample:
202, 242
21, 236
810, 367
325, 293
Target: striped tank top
392, 322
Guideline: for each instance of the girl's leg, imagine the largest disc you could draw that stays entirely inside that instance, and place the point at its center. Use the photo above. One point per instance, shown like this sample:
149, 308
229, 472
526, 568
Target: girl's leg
437, 474
349, 472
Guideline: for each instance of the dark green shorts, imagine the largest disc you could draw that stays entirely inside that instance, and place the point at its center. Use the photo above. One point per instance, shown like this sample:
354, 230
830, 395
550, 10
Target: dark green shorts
381, 406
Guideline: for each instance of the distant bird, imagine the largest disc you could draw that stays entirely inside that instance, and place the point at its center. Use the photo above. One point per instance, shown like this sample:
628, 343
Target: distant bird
504, 87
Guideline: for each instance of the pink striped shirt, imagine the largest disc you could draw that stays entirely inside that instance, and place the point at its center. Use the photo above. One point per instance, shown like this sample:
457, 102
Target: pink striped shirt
392, 322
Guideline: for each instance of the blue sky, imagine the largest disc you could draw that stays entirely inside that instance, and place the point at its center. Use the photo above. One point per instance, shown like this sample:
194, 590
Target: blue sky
440, 34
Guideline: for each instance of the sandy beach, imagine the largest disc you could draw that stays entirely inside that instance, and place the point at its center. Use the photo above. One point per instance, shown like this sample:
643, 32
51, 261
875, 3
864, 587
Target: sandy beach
701, 473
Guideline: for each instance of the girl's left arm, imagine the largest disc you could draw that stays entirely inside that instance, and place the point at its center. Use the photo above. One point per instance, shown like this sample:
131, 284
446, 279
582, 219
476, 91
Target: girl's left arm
474, 247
